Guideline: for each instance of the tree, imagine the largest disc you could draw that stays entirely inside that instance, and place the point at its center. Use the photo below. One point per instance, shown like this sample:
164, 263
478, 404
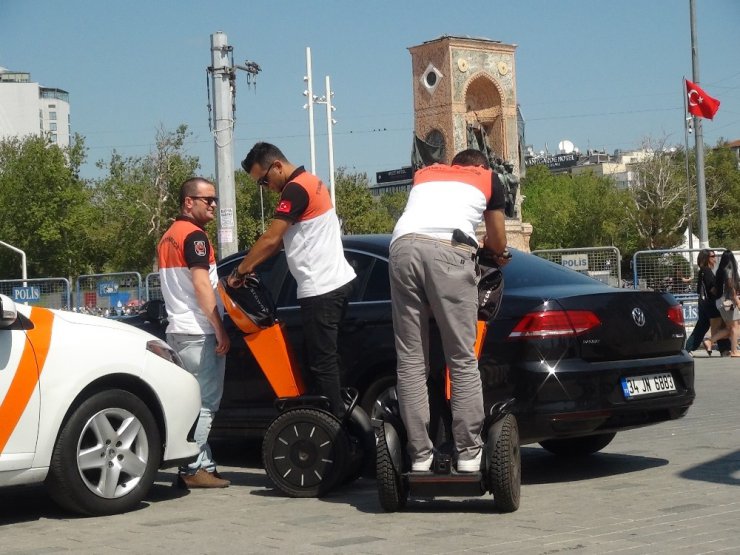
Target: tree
722, 177
394, 204
570, 211
253, 204
658, 197
46, 208
138, 200
357, 210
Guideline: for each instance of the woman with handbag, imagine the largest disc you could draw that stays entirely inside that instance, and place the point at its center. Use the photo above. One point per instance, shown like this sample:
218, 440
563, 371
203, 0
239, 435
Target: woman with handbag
708, 317
727, 286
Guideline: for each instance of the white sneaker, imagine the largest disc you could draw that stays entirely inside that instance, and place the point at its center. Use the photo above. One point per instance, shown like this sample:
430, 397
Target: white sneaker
470, 465
424, 465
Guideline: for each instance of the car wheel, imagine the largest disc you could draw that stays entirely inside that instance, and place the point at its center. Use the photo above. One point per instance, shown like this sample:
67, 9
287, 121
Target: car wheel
578, 446
305, 452
503, 463
106, 456
392, 494
381, 393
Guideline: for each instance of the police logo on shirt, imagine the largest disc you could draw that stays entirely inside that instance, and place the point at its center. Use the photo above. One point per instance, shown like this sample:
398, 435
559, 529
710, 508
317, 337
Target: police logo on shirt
283, 207
200, 247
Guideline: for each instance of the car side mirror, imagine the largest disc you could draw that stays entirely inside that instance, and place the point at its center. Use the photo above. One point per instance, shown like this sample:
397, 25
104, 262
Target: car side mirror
8, 312
156, 311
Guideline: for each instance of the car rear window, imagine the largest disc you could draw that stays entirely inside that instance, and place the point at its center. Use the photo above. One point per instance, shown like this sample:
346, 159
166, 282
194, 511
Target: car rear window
528, 270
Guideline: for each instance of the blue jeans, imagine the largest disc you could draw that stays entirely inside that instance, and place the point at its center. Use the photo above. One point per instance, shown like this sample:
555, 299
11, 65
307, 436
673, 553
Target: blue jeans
198, 354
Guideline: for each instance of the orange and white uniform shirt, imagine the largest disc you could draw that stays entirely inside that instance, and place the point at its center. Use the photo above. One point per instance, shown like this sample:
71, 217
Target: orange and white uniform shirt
313, 244
444, 198
185, 245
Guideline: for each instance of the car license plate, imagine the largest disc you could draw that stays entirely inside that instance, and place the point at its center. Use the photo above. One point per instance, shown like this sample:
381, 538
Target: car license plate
651, 384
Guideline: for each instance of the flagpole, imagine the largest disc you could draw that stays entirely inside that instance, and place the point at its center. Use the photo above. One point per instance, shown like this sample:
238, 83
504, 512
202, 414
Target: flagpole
686, 120
698, 138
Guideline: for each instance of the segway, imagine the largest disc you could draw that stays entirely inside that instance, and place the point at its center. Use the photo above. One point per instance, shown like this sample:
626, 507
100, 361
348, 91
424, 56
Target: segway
500, 471
307, 451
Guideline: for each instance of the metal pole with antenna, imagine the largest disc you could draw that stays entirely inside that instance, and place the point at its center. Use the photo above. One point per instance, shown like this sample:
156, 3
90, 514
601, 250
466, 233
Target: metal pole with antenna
222, 75
330, 121
311, 98
698, 137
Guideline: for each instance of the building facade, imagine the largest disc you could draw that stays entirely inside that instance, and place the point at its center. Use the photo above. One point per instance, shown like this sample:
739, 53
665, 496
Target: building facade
27, 108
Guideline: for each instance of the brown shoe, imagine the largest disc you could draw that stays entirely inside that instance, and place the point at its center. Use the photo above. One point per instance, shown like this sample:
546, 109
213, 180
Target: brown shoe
202, 479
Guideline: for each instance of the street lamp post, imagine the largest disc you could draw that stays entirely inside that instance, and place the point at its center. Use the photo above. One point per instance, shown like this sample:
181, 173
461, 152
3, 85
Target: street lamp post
24, 272
309, 105
330, 121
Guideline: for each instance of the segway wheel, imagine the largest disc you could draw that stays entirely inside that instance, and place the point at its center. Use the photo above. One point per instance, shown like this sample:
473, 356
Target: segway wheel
305, 452
391, 492
504, 465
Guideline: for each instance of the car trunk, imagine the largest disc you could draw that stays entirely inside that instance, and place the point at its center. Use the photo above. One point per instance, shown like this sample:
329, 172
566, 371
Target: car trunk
634, 324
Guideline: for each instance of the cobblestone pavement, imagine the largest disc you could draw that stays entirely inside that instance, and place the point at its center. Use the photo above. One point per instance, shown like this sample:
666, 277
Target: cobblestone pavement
671, 488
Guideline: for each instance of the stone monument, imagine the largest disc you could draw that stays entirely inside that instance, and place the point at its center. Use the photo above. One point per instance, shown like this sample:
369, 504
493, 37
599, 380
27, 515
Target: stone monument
465, 92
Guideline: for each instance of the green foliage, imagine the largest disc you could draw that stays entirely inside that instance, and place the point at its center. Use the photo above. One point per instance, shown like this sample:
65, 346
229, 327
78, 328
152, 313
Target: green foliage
46, 209
394, 204
572, 211
138, 200
658, 197
250, 208
722, 177
358, 211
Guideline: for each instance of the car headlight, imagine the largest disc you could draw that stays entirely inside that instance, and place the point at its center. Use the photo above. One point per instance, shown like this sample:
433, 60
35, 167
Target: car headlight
161, 349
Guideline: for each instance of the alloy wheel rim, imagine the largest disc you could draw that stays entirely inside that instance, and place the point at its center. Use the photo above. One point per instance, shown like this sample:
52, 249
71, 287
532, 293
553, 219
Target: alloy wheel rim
112, 453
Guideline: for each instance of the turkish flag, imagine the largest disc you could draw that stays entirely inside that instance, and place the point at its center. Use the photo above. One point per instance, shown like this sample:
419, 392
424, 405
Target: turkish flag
700, 103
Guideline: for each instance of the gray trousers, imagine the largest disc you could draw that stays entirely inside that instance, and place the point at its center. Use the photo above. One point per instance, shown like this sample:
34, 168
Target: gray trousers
430, 277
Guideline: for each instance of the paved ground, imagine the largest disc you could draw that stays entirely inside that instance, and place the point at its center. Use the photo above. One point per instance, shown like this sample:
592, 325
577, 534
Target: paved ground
672, 488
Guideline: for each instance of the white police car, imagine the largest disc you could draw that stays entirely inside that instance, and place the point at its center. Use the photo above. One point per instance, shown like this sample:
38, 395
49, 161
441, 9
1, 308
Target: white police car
89, 406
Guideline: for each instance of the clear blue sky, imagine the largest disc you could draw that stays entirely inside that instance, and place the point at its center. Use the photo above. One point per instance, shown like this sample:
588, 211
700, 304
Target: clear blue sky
601, 74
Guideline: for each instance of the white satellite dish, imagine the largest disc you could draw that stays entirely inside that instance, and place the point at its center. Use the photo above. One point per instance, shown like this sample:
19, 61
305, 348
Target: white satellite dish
565, 146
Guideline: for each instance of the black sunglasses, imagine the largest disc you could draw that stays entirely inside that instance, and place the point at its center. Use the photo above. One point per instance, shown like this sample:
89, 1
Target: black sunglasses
208, 200
263, 180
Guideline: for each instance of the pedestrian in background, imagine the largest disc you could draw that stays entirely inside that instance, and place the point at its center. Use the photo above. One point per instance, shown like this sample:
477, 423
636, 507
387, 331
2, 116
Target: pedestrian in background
187, 272
708, 315
727, 285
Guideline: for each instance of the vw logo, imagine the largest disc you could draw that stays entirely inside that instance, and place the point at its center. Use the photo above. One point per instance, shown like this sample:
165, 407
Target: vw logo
638, 316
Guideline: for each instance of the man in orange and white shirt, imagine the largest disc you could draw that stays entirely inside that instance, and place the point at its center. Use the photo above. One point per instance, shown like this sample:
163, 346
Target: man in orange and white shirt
433, 275
187, 273
306, 225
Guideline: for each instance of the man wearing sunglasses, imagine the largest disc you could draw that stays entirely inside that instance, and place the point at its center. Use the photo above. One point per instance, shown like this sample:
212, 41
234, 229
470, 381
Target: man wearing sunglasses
187, 273
306, 225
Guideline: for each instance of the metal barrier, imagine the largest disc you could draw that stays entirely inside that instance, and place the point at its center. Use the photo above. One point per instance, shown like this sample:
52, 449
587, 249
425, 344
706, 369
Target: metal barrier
46, 292
671, 270
107, 294
601, 263
153, 287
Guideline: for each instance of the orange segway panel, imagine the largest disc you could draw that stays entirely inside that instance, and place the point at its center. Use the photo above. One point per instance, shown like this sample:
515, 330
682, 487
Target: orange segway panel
480, 335
270, 350
264, 338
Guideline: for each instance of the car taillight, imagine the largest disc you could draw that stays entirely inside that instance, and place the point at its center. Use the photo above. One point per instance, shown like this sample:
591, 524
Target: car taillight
554, 323
675, 314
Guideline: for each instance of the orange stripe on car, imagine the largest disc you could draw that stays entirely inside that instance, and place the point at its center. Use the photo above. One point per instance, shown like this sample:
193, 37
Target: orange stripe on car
28, 372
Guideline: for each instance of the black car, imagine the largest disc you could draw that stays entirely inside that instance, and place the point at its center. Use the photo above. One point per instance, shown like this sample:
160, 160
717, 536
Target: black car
582, 360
